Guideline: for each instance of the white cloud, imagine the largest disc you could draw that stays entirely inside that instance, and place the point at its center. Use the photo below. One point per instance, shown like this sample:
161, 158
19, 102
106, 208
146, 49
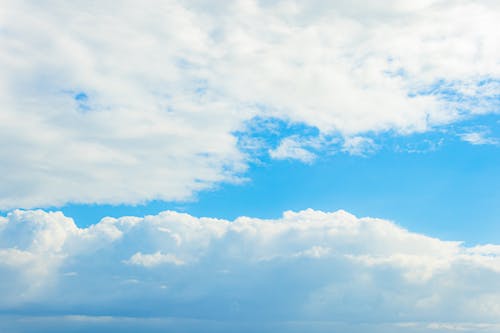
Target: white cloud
478, 138
303, 269
154, 259
359, 145
292, 148
162, 87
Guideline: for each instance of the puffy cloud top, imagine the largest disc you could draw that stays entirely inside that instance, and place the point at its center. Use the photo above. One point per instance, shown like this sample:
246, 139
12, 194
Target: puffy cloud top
306, 267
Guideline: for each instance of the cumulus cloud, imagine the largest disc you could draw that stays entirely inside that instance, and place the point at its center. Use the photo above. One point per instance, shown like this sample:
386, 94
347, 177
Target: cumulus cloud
107, 103
307, 269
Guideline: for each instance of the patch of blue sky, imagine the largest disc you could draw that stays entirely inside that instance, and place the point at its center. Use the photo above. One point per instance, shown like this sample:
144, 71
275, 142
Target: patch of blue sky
444, 190
433, 183
199, 87
482, 93
489, 122
261, 134
82, 101
185, 63
398, 72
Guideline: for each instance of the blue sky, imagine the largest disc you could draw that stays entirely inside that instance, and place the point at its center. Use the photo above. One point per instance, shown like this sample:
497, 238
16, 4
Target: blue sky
434, 183
277, 166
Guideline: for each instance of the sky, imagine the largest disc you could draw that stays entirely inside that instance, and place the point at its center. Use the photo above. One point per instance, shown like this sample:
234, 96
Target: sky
252, 166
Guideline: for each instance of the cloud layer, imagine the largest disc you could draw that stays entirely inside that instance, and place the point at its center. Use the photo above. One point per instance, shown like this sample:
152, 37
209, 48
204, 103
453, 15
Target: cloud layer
306, 267
107, 103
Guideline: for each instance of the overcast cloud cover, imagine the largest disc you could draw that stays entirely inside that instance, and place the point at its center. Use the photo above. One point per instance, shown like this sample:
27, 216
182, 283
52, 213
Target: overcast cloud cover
125, 102
307, 269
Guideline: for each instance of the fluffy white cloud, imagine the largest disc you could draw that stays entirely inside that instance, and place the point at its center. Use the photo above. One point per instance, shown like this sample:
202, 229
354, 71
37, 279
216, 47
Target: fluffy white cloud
301, 270
121, 103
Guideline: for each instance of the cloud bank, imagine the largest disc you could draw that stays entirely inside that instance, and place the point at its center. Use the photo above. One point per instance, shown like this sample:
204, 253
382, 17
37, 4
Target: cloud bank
308, 269
108, 103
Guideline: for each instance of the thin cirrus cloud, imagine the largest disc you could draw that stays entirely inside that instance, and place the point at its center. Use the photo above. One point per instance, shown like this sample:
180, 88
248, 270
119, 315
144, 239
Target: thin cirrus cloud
108, 103
291, 148
308, 269
479, 138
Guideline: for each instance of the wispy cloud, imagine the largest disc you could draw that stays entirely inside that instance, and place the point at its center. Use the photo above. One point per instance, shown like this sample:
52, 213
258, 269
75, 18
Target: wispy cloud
360, 146
293, 148
479, 138
153, 259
